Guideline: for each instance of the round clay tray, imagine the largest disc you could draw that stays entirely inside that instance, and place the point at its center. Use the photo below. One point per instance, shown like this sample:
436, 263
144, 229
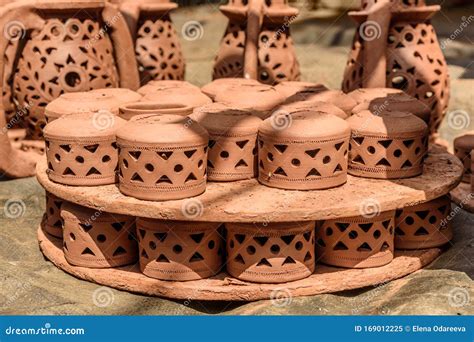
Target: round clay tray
248, 201
463, 197
223, 287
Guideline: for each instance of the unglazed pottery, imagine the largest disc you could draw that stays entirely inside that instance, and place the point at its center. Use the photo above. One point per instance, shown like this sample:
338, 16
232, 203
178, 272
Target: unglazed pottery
387, 145
396, 46
132, 110
335, 97
157, 46
162, 157
362, 95
81, 149
69, 47
289, 88
356, 242
222, 84
310, 108
303, 152
157, 86
270, 252
97, 239
425, 225
257, 43
52, 222
463, 145
178, 250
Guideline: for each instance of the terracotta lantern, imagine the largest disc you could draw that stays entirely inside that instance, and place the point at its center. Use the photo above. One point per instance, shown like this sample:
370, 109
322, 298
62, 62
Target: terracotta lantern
63, 46
463, 145
157, 46
396, 46
52, 222
257, 43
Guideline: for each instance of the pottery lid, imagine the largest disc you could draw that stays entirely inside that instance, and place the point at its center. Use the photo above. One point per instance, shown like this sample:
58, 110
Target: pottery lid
131, 110
230, 122
221, 84
289, 88
123, 95
154, 86
318, 106
387, 124
83, 126
368, 94
336, 97
81, 102
465, 141
304, 127
162, 131
184, 96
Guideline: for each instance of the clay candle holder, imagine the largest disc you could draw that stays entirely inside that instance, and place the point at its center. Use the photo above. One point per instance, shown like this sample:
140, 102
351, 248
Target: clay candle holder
178, 250
335, 97
162, 157
52, 222
222, 84
81, 149
179, 92
303, 152
290, 88
463, 146
425, 225
232, 144
270, 253
96, 239
388, 145
129, 111
356, 242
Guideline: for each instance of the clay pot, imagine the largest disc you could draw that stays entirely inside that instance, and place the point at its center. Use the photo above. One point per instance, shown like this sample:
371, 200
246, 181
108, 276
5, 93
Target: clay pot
81, 149
363, 95
303, 152
222, 84
424, 225
395, 46
162, 157
270, 252
335, 97
157, 86
257, 43
290, 88
157, 46
131, 110
52, 222
463, 145
232, 144
260, 99
356, 242
388, 145
311, 108
97, 239
178, 250
174, 92
68, 50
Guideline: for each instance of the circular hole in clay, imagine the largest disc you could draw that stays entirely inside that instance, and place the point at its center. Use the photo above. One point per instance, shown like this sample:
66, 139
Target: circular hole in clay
371, 149
72, 236
264, 38
211, 244
275, 249
299, 246
409, 37
397, 153
329, 231
152, 245
56, 30
264, 76
73, 79
149, 167
106, 159
251, 250
353, 235
400, 82
296, 162
327, 160
177, 249
74, 29
409, 220
178, 168
377, 234
101, 238
224, 154
432, 219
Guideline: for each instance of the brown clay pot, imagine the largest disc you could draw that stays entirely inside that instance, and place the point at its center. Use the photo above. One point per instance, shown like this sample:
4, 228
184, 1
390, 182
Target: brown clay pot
356, 242
290, 88
388, 145
162, 157
68, 48
303, 152
178, 250
257, 43
131, 110
222, 84
232, 144
311, 108
395, 46
425, 225
174, 92
363, 95
96, 239
81, 149
270, 252
463, 145
157, 46
52, 222
335, 97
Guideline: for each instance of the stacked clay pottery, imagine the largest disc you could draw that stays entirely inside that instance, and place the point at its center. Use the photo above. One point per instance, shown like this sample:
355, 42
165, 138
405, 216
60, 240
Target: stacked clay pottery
52, 222
222, 84
96, 239
129, 111
424, 225
463, 145
270, 253
179, 251
65, 48
232, 144
356, 242
157, 46
303, 152
290, 88
310, 107
162, 157
387, 145
81, 149
257, 43
396, 46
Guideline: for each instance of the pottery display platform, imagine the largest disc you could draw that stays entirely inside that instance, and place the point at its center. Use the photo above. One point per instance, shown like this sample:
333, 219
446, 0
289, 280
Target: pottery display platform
463, 197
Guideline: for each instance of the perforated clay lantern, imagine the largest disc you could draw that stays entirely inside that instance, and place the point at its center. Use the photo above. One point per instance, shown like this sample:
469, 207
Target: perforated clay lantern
257, 43
396, 46
63, 49
463, 145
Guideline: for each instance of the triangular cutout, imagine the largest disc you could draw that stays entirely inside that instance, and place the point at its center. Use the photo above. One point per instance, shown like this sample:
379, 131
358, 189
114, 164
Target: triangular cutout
242, 143
68, 172
385, 246
366, 226
338, 168
280, 171
358, 140
118, 226
191, 177
261, 240
197, 237
135, 154
142, 233
165, 155
86, 227
281, 148
196, 257
385, 143
93, 171
307, 236
189, 153
340, 246
119, 251
307, 257
422, 214
313, 173
264, 262
383, 162
239, 259
91, 148
287, 238
136, 178
164, 179
240, 238
161, 236
288, 260
342, 226
407, 163
398, 231
144, 254
364, 247
241, 163
386, 223
209, 164
421, 231
87, 251
408, 143
66, 148
162, 258
358, 160
312, 153
211, 143
338, 146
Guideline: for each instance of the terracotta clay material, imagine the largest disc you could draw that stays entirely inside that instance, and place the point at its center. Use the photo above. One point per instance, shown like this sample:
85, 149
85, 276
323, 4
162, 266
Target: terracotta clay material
303, 152
97, 239
52, 222
131, 110
260, 99
463, 146
363, 95
179, 250
157, 86
396, 46
388, 145
335, 97
232, 144
162, 157
356, 242
81, 149
270, 253
311, 107
257, 43
222, 84
290, 88
165, 91
424, 225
